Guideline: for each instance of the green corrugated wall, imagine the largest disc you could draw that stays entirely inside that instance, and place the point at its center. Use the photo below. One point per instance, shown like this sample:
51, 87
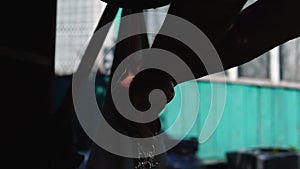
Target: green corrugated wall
253, 117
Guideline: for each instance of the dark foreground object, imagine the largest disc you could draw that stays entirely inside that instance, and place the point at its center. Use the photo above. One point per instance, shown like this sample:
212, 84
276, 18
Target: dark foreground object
263, 158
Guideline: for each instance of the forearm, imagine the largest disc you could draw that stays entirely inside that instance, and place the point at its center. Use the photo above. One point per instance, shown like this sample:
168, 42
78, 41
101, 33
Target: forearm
256, 30
213, 17
259, 28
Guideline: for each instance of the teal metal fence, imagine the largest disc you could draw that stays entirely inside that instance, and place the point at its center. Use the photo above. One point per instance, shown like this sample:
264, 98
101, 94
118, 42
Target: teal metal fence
254, 116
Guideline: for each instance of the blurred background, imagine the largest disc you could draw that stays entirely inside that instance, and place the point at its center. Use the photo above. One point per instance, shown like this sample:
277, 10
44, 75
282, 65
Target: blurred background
262, 108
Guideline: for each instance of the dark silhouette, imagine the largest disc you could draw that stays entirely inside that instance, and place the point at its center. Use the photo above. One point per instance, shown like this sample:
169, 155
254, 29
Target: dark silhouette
38, 137
238, 35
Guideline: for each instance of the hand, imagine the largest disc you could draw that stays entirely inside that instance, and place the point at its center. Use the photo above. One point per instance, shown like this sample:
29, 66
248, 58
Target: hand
146, 81
140, 87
